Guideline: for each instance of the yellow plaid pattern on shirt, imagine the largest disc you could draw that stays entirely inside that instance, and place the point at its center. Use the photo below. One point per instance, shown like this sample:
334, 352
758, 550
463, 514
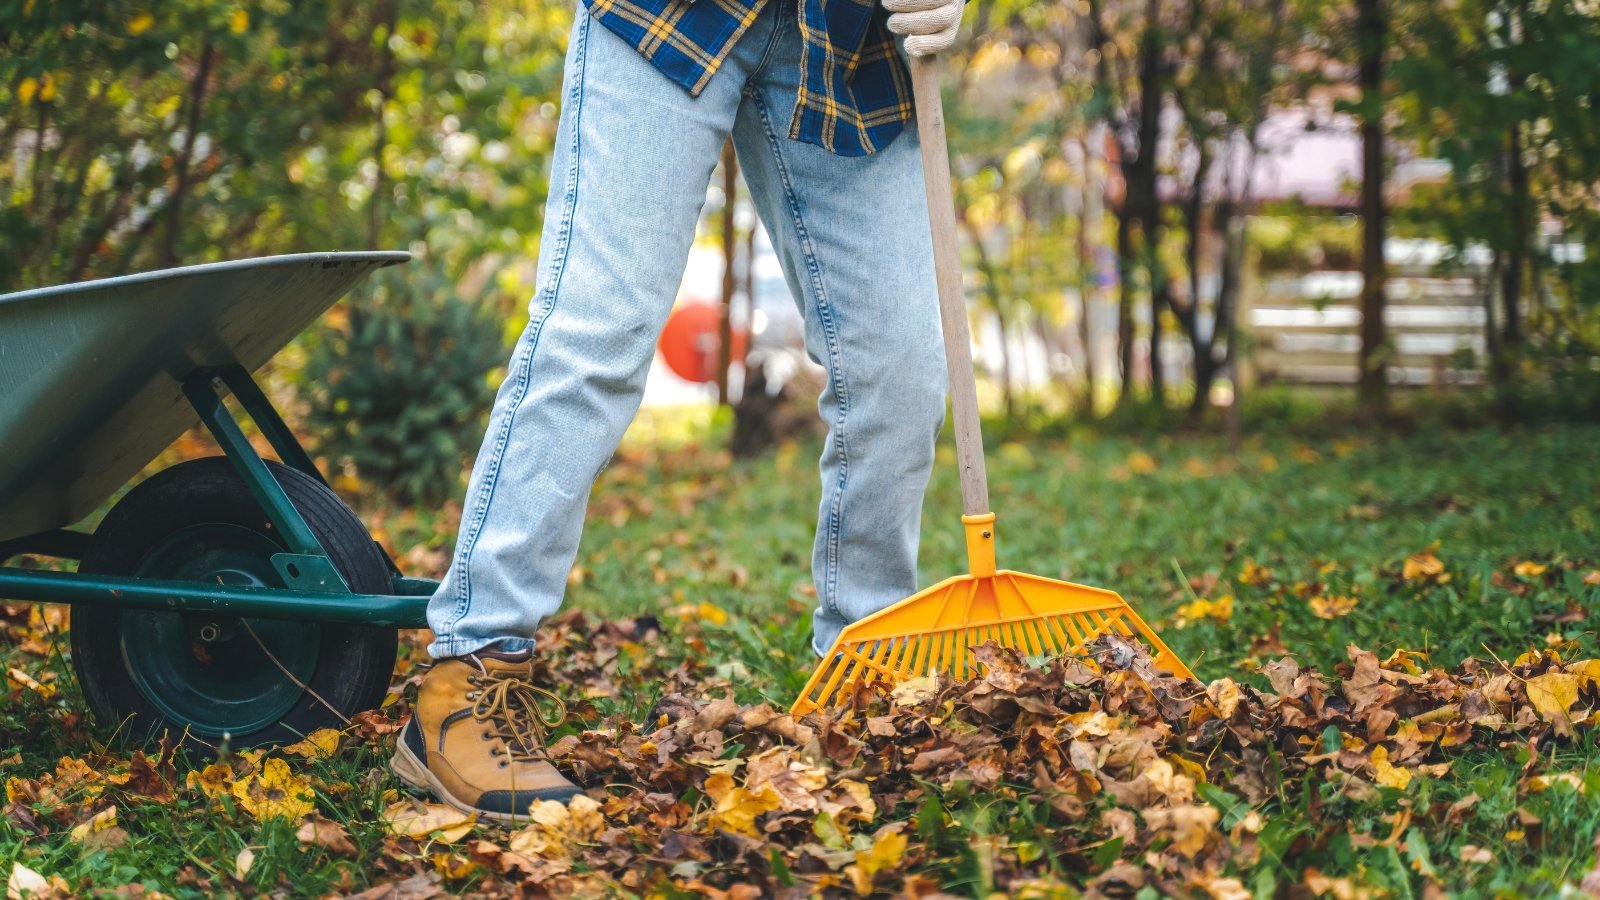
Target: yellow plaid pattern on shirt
853, 94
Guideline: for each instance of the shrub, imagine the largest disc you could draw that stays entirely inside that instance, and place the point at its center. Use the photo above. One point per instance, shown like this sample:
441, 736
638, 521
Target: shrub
398, 388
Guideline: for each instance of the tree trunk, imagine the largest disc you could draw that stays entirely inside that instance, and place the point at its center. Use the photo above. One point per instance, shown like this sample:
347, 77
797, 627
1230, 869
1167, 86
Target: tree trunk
1158, 294
1370, 35
1511, 276
1125, 304
1088, 264
180, 190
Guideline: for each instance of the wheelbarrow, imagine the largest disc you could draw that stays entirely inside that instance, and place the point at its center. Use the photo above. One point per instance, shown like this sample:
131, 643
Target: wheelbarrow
229, 599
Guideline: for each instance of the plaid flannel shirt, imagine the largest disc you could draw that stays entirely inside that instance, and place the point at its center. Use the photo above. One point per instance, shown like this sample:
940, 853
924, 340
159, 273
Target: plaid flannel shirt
855, 92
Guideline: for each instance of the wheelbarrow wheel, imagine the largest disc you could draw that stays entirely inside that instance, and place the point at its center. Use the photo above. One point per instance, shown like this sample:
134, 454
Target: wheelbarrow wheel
209, 679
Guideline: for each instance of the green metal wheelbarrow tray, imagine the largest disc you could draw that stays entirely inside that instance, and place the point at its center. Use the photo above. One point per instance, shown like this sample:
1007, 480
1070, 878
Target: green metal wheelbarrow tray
232, 599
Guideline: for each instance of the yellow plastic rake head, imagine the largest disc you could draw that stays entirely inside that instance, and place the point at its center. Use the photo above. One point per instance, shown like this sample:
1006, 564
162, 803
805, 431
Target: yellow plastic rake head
935, 630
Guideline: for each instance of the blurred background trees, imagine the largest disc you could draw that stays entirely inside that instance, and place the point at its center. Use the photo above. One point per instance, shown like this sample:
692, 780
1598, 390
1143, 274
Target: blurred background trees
1164, 201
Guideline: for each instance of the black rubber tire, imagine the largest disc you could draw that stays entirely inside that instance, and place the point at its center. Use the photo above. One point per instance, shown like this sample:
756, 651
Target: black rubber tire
355, 662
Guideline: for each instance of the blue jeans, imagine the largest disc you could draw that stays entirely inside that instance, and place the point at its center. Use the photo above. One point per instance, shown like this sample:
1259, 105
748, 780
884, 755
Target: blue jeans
633, 158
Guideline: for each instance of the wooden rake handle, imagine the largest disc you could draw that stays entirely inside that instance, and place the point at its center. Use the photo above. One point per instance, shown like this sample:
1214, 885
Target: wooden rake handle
952, 298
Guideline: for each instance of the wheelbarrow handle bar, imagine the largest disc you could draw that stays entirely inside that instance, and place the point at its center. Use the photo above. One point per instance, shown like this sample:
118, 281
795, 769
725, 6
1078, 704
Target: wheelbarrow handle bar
952, 297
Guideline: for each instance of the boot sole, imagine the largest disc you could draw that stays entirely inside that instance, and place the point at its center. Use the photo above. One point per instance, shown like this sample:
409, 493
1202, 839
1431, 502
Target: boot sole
415, 772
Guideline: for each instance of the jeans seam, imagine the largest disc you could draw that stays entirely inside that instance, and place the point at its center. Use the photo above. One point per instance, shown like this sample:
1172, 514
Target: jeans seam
828, 595
524, 363
771, 48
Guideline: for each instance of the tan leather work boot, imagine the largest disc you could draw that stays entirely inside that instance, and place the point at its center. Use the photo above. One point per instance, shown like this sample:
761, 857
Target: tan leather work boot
476, 738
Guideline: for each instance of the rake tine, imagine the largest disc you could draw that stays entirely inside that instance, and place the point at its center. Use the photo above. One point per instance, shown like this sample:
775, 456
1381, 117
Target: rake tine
1041, 634
1076, 626
843, 664
891, 662
1031, 636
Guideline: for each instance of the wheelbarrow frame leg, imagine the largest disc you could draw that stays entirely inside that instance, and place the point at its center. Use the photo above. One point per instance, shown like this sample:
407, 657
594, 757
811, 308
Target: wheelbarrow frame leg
314, 589
306, 567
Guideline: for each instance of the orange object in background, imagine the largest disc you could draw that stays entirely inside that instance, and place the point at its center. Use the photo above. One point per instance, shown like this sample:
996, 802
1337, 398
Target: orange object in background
689, 342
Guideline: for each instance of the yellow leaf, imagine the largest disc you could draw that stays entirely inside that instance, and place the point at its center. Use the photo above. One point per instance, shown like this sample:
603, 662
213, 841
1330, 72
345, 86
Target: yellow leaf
239, 22
213, 781
418, 820
100, 821
888, 847
47, 87
1422, 566
737, 809
1540, 783
1388, 775
1254, 574
1141, 462
558, 829
1324, 606
273, 791
1530, 569
25, 680
1552, 695
453, 866
319, 744
1220, 610
1587, 670
140, 24
26, 90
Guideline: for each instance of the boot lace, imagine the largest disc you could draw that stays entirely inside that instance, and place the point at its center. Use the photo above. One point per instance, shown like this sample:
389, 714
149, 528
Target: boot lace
510, 705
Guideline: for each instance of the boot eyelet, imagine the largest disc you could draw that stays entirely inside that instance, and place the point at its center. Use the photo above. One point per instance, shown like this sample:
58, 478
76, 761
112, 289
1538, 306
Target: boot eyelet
472, 695
486, 736
504, 764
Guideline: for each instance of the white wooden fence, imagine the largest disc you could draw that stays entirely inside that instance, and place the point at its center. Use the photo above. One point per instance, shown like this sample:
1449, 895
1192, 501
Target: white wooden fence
1306, 328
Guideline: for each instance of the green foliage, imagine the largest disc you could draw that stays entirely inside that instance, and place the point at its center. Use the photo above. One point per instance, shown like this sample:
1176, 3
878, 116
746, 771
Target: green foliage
398, 390
141, 135
1505, 91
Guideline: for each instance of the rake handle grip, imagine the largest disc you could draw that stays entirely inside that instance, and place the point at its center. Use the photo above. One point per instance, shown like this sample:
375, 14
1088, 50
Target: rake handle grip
952, 297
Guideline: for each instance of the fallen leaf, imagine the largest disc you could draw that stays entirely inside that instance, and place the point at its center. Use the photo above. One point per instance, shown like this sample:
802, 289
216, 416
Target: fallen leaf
100, 821
327, 834
319, 744
273, 791
1422, 566
1471, 853
422, 821
887, 850
1552, 695
25, 882
1388, 775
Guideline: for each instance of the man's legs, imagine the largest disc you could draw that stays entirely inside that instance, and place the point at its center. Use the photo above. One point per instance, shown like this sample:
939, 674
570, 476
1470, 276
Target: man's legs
852, 235
634, 154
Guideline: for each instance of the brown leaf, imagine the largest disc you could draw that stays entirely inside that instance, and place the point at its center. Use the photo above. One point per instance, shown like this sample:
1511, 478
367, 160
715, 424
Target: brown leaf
327, 834
417, 887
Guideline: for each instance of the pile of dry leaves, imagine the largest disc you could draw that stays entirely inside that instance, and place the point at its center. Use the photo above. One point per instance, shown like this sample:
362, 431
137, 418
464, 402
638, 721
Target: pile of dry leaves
1100, 773
1041, 778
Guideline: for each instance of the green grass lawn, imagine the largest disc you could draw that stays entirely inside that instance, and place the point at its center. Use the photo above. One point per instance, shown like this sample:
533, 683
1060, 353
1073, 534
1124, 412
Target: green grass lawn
1288, 547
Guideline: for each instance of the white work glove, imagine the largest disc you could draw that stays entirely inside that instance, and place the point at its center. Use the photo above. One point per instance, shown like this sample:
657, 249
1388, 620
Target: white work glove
929, 25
